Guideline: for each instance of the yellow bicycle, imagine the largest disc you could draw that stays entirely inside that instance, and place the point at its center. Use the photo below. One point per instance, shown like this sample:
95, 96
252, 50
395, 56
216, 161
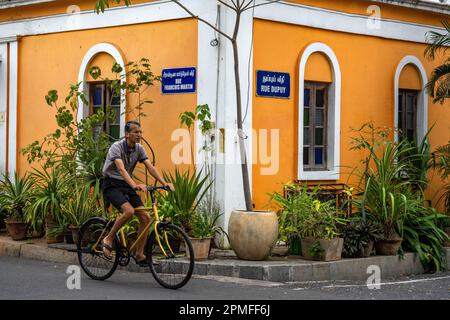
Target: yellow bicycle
169, 252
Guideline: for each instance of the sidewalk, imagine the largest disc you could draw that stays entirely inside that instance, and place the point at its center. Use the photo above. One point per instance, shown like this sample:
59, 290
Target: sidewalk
224, 263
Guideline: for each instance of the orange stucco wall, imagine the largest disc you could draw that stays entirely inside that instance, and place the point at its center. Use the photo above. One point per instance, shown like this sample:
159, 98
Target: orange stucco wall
53, 62
368, 66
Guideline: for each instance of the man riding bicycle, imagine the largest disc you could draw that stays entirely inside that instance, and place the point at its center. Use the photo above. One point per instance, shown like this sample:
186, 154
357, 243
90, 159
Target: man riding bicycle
120, 189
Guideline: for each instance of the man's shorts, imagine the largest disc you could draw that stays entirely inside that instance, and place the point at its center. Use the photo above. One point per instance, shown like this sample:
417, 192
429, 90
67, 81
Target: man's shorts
117, 192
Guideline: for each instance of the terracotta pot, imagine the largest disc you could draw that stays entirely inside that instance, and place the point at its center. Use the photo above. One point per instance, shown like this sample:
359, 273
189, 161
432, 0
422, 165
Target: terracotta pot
367, 250
17, 229
201, 248
253, 234
388, 247
330, 250
52, 239
75, 230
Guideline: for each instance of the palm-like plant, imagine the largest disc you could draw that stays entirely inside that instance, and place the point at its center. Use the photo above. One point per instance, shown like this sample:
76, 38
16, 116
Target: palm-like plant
15, 196
439, 84
81, 205
384, 193
441, 162
189, 191
51, 191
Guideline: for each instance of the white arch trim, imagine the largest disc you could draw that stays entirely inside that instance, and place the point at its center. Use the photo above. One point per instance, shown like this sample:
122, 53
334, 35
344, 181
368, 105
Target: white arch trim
334, 116
422, 99
92, 52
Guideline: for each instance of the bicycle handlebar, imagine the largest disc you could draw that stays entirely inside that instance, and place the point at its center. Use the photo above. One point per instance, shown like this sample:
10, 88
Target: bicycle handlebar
152, 189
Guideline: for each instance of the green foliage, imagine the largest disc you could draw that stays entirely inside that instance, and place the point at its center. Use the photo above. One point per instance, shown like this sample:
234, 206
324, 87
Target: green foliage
51, 191
423, 233
385, 193
441, 163
303, 215
204, 224
15, 196
81, 205
357, 234
438, 87
393, 195
189, 192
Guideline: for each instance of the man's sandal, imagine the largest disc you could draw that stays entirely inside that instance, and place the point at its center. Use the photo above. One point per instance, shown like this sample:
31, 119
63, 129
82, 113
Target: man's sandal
109, 248
141, 263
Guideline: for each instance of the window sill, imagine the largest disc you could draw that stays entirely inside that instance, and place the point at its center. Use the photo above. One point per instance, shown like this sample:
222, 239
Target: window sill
318, 175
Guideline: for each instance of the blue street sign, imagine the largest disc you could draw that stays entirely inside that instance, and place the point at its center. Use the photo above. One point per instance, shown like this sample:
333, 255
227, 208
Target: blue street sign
273, 84
179, 80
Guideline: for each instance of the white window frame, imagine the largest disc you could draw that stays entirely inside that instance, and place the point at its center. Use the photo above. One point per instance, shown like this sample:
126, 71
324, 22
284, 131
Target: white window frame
422, 97
89, 56
334, 116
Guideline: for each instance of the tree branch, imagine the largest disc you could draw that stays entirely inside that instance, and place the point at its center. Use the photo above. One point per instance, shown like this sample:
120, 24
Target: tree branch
247, 7
202, 20
227, 5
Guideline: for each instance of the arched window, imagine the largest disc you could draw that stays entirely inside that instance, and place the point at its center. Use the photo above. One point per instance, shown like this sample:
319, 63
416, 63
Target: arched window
97, 92
319, 115
411, 100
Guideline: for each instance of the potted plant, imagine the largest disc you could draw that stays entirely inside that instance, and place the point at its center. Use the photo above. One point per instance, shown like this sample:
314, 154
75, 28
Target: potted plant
181, 204
303, 218
15, 195
204, 228
51, 191
359, 237
80, 205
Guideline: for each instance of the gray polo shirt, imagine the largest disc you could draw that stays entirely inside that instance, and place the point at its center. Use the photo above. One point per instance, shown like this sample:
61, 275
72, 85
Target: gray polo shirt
130, 157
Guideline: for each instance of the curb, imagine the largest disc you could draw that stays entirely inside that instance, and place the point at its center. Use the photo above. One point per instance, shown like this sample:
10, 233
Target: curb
276, 270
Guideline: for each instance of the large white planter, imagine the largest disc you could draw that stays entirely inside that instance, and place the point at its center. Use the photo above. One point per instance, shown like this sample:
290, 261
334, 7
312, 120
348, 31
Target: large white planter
253, 234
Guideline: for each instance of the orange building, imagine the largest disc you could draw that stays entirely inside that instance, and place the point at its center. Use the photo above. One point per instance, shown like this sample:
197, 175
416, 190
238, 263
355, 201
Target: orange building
310, 70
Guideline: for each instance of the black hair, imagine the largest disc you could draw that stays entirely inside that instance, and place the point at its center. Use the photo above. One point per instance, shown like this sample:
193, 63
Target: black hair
130, 123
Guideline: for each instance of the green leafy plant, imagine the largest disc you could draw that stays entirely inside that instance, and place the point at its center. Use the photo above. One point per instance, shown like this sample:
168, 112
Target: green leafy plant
52, 188
81, 205
301, 214
15, 196
190, 188
205, 219
357, 234
424, 234
441, 163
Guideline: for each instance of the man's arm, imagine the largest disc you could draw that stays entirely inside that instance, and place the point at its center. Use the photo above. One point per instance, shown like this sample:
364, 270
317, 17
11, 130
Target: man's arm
123, 172
155, 173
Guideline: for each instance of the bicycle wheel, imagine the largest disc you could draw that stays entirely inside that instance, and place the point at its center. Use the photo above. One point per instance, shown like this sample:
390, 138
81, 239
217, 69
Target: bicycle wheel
171, 256
90, 253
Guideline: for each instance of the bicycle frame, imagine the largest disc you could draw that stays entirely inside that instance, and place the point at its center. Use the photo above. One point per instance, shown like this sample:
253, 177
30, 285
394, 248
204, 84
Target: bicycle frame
154, 220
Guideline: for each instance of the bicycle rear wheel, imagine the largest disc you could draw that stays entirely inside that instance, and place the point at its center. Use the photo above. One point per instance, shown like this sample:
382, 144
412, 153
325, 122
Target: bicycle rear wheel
171, 256
90, 250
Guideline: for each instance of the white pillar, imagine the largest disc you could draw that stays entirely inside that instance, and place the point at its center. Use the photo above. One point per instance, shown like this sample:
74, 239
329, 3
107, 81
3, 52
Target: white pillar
228, 173
3, 100
12, 117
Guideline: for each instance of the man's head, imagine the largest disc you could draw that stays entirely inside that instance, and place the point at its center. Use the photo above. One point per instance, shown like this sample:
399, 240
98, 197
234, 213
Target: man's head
133, 131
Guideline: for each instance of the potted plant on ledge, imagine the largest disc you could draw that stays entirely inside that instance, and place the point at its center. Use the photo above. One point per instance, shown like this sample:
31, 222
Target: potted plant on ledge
14, 199
204, 228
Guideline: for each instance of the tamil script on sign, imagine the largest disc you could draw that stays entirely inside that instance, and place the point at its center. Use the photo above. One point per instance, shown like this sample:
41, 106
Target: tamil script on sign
273, 84
180, 80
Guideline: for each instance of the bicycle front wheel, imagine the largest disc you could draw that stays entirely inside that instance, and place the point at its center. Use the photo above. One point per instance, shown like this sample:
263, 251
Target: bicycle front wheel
90, 250
171, 256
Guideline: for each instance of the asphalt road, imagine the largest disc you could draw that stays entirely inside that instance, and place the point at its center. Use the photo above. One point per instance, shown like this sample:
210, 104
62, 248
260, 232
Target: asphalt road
22, 279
